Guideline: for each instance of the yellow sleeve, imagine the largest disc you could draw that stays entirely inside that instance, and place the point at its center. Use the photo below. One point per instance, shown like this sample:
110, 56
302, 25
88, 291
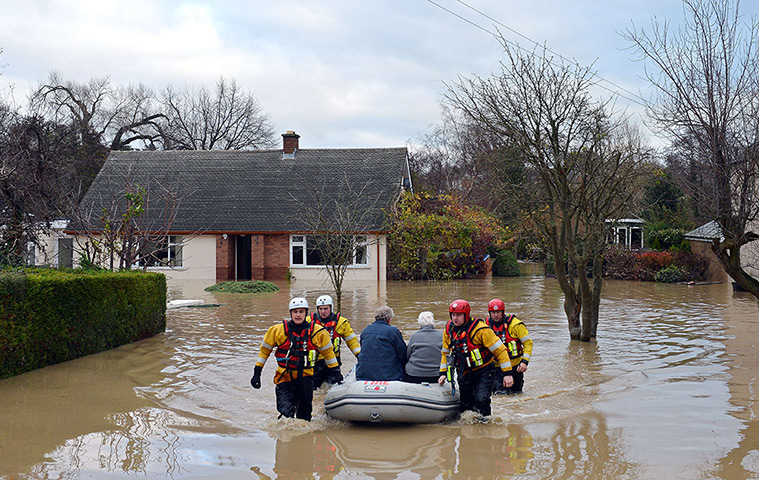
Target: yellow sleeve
344, 330
519, 331
446, 350
274, 337
323, 342
487, 337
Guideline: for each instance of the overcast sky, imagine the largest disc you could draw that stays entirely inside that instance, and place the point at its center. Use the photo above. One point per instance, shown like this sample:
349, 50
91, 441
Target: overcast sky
341, 73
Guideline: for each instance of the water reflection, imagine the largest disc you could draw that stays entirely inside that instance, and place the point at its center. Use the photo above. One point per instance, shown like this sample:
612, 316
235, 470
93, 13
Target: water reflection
389, 452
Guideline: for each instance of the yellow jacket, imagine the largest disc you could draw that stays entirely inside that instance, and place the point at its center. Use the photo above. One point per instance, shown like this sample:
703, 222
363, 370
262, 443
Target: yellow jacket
343, 330
479, 335
277, 336
512, 329
518, 330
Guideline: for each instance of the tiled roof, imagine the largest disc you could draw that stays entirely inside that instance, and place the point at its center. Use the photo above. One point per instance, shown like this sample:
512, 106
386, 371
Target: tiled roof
252, 191
705, 233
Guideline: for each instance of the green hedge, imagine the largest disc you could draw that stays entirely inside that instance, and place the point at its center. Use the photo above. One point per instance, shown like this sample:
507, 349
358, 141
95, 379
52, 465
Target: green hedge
51, 316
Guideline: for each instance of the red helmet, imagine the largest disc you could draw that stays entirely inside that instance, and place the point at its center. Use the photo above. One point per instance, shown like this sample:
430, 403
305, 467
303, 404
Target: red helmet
460, 306
495, 305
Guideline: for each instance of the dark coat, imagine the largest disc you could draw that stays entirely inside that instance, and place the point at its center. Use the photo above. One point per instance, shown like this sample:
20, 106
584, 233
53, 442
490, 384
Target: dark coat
383, 353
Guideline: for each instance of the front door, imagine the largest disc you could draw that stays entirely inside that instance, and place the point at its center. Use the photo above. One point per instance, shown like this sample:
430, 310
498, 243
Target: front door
242, 261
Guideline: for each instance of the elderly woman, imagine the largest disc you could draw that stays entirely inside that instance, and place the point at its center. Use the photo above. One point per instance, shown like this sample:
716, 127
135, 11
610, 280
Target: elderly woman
423, 351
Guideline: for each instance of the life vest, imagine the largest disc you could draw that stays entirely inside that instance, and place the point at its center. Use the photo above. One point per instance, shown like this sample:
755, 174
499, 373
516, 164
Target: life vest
330, 324
297, 352
513, 345
466, 355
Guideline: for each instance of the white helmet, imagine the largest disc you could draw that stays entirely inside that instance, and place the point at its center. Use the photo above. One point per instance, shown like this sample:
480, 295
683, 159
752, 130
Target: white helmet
298, 302
324, 300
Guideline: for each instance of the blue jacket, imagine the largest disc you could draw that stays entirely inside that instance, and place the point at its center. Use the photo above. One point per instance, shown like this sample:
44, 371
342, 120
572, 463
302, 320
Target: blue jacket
383, 353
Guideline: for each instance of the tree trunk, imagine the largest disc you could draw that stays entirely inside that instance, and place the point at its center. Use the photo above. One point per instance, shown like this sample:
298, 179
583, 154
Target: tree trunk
728, 252
586, 300
597, 283
572, 306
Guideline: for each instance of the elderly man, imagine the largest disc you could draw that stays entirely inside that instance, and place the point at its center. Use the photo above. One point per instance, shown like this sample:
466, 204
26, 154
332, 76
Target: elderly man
383, 351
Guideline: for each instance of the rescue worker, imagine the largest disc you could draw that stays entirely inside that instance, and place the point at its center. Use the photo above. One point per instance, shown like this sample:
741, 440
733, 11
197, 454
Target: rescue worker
513, 333
339, 328
471, 345
295, 344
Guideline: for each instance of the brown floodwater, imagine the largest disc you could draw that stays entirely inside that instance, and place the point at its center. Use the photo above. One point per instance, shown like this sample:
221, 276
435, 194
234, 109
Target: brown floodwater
668, 390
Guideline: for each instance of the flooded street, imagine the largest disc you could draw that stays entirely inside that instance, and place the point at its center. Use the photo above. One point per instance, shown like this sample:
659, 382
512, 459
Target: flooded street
669, 390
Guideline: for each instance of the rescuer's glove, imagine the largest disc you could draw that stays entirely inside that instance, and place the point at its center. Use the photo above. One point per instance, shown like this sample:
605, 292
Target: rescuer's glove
334, 376
255, 381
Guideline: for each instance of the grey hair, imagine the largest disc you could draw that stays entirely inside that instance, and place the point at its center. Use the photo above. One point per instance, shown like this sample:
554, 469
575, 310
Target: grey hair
384, 313
426, 318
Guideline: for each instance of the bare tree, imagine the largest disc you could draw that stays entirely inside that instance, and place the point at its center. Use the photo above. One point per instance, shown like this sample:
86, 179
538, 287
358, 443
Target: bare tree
461, 158
338, 218
129, 226
706, 74
101, 112
580, 164
227, 119
37, 178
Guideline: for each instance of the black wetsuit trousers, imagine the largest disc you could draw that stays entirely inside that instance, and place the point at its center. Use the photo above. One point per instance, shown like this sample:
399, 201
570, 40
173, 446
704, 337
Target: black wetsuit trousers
295, 398
498, 381
475, 388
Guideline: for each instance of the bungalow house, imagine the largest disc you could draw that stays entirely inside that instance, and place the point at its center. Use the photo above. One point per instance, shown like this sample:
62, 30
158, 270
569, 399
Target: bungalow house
239, 215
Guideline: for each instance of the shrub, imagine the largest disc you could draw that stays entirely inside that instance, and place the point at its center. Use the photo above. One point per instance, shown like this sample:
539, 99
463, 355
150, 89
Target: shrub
257, 286
665, 238
438, 237
505, 264
671, 274
51, 316
624, 264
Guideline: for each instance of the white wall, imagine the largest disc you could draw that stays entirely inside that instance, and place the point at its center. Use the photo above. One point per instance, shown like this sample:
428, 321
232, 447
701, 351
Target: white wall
198, 260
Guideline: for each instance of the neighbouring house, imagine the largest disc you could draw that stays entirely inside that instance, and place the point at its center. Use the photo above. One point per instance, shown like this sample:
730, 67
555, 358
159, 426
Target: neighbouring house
627, 232
239, 215
701, 242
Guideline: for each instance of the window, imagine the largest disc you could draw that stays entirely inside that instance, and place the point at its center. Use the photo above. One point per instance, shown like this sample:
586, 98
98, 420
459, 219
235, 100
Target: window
305, 252
167, 253
297, 250
361, 251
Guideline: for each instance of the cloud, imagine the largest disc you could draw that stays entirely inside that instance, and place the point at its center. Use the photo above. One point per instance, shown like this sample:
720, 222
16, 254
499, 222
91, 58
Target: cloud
341, 72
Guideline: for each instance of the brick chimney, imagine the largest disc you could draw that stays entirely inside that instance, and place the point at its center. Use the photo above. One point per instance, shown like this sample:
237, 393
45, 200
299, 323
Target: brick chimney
290, 143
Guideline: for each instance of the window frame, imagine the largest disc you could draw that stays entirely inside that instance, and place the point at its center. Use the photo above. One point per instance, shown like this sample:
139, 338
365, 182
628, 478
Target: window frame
173, 247
295, 241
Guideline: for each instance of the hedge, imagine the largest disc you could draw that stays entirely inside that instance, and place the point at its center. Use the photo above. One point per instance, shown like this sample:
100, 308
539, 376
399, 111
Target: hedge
51, 316
250, 286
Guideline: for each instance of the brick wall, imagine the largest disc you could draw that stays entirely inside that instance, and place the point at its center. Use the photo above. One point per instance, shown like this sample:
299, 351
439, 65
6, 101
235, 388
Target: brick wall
257, 257
269, 257
225, 259
276, 256
716, 272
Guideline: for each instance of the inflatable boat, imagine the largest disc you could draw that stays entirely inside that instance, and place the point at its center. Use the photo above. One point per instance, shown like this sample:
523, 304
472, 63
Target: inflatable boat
394, 401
